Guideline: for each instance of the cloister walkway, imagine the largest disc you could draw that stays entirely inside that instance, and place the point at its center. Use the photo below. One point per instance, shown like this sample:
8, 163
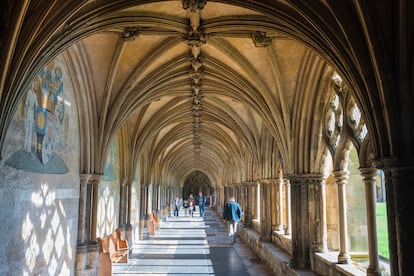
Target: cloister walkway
192, 246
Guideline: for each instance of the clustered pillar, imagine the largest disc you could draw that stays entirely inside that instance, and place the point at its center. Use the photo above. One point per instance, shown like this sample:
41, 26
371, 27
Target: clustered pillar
125, 209
144, 224
300, 223
266, 209
87, 246
399, 176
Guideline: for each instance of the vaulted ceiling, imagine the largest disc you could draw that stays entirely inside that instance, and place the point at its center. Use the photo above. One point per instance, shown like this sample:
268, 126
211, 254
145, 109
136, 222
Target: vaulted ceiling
196, 86
189, 86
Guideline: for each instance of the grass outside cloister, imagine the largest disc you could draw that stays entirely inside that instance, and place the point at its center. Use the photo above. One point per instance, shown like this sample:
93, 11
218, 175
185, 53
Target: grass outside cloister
382, 231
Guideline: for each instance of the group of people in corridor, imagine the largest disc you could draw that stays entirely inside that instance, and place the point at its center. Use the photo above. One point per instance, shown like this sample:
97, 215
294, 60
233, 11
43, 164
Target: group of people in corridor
189, 204
232, 211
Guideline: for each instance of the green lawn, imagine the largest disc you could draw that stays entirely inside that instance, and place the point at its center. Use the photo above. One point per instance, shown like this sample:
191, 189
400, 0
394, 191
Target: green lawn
382, 230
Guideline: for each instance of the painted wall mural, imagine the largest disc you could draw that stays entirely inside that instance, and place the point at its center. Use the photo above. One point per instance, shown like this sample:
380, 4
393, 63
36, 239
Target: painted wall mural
45, 125
39, 191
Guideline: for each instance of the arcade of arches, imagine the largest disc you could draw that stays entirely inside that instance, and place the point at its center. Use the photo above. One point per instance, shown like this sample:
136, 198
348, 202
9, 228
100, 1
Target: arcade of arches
301, 109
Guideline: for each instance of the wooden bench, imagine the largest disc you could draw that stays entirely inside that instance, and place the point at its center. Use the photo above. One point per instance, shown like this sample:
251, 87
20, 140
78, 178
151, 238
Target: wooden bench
154, 222
112, 249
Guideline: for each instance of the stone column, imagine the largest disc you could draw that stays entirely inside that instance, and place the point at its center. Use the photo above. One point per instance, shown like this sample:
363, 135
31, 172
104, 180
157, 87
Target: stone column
265, 212
341, 180
226, 195
240, 193
243, 200
143, 225
152, 198
234, 191
279, 202
255, 206
223, 195
253, 202
300, 223
274, 205
95, 194
81, 262
391, 217
129, 200
248, 205
317, 213
369, 175
158, 197
309, 217
93, 244
125, 210
288, 225
123, 197
400, 208
88, 212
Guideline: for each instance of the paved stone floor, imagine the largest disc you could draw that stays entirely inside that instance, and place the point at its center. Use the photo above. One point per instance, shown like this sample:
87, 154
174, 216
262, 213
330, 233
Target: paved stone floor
187, 245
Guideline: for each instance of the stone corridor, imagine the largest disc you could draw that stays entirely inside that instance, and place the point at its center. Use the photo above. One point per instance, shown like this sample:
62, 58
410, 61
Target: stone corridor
192, 246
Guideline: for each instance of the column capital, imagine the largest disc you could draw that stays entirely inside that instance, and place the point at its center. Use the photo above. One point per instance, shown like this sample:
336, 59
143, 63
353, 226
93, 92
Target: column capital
341, 176
250, 183
235, 185
127, 180
369, 173
89, 178
306, 178
84, 178
268, 181
394, 163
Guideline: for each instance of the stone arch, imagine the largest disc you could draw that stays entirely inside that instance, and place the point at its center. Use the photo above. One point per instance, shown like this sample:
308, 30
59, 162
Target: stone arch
366, 153
195, 182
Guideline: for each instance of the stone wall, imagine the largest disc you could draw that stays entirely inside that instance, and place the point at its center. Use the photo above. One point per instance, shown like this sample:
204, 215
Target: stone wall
108, 198
39, 172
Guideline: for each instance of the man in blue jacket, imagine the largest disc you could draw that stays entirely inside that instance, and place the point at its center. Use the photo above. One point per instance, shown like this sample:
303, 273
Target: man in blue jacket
201, 203
232, 213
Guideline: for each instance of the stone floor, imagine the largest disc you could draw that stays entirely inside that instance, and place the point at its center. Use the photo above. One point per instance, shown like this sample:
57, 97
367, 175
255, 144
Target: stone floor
187, 245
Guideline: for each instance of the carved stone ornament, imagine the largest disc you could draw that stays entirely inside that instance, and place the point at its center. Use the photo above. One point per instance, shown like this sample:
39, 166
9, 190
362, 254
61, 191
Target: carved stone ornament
260, 39
194, 4
129, 33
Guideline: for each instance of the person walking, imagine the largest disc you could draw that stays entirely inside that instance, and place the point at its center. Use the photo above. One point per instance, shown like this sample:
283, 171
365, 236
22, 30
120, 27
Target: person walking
178, 203
232, 213
185, 205
201, 203
191, 204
